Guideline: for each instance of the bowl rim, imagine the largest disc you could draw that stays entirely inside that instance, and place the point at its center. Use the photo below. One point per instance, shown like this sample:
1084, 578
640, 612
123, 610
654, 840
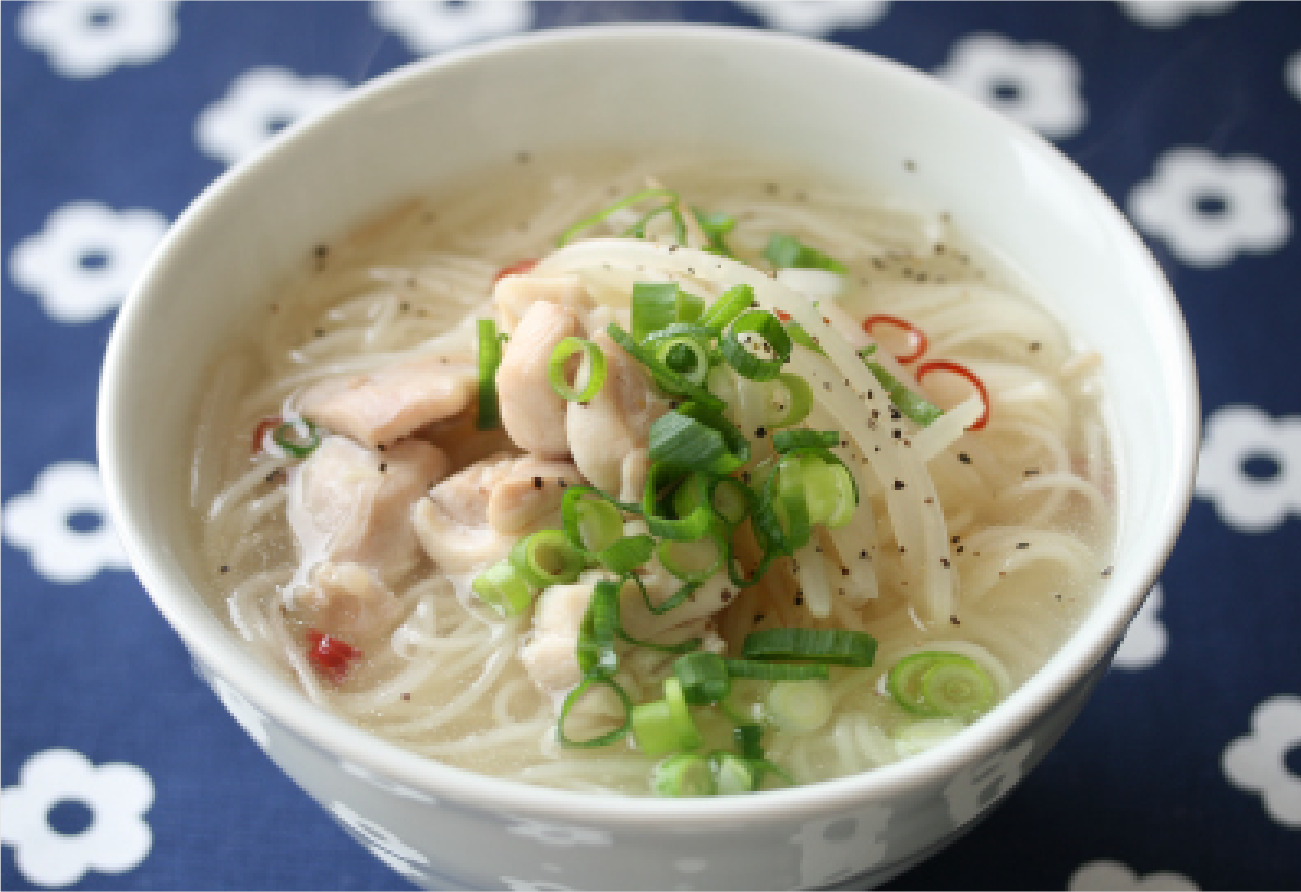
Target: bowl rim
224, 654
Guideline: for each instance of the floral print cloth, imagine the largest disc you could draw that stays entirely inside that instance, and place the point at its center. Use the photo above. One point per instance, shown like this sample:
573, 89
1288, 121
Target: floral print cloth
121, 770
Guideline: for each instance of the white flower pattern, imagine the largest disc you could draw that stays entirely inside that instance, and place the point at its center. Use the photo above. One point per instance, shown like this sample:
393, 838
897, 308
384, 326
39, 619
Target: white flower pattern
834, 850
560, 835
1145, 642
1035, 84
1250, 467
1172, 13
45, 521
816, 18
89, 38
260, 104
1112, 876
85, 259
115, 838
435, 26
1292, 74
383, 843
1257, 763
977, 787
1210, 209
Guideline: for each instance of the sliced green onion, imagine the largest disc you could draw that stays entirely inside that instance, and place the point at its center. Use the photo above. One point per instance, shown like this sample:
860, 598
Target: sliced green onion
692, 437
683, 559
942, 685
762, 671
489, 358
803, 338
683, 774
748, 739
733, 774
828, 492
559, 377
638, 229
841, 647
777, 345
669, 380
547, 557
289, 436
799, 706
914, 406
715, 226
693, 526
665, 726
682, 647
730, 304
731, 499
685, 356
654, 305
703, 676
601, 215
596, 635
572, 699
626, 554
799, 401
592, 520
786, 252
785, 441
504, 588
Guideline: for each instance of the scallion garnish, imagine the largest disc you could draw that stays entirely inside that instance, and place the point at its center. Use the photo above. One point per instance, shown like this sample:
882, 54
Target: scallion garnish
730, 304
571, 701
914, 406
596, 653
504, 588
840, 647
715, 226
299, 438
939, 684
776, 345
547, 558
762, 671
785, 441
684, 774
489, 358
665, 726
670, 197
703, 676
558, 374
787, 252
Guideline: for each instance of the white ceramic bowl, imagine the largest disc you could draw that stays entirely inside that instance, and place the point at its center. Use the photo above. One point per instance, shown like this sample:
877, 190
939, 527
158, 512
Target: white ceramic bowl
841, 113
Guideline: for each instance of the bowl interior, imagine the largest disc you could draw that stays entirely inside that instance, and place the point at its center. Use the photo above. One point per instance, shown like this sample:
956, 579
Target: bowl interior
840, 114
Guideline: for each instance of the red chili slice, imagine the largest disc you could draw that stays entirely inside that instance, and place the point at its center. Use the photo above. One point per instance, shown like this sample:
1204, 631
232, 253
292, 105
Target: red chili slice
782, 315
916, 337
329, 655
943, 365
513, 269
259, 432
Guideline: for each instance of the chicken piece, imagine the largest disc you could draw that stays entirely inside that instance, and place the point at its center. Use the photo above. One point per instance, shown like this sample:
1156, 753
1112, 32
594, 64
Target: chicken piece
515, 294
473, 518
609, 436
532, 413
383, 406
550, 654
349, 508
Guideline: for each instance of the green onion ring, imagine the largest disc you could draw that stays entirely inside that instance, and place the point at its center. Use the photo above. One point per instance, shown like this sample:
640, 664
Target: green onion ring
596, 369
287, 437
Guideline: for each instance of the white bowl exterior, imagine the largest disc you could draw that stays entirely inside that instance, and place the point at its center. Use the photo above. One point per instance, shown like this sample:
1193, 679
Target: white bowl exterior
842, 114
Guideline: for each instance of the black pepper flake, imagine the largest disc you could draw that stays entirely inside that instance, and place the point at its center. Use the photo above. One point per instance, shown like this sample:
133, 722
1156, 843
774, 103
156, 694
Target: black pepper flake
563, 484
725, 595
760, 432
844, 571
903, 550
944, 562
405, 306
320, 332
1035, 346
1023, 545
321, 251
964, 458
863, 554
1107, 571
826, 385
1031, 472
898, 484
895, 413
960, 549
955, 620
383, 467
799, 600
897, 434
758, 618
406, 696
910, 165
523, 157
954, 540
225, 568
928, 501
537, 482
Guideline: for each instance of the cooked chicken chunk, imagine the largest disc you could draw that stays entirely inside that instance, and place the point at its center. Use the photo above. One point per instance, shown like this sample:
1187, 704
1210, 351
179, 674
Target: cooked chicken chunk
349, 509
382, 406
532, 413
609, 436
550, 654
515, 294
474, 517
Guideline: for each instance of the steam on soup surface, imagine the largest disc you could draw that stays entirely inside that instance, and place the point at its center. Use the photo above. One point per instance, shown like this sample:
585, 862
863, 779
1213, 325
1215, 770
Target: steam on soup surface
703, 487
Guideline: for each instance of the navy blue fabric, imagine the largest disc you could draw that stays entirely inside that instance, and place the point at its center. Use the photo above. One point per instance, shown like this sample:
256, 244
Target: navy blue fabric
1140, 779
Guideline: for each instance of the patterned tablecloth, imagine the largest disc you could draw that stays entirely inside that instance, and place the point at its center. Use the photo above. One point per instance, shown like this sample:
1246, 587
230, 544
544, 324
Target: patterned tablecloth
120, 770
